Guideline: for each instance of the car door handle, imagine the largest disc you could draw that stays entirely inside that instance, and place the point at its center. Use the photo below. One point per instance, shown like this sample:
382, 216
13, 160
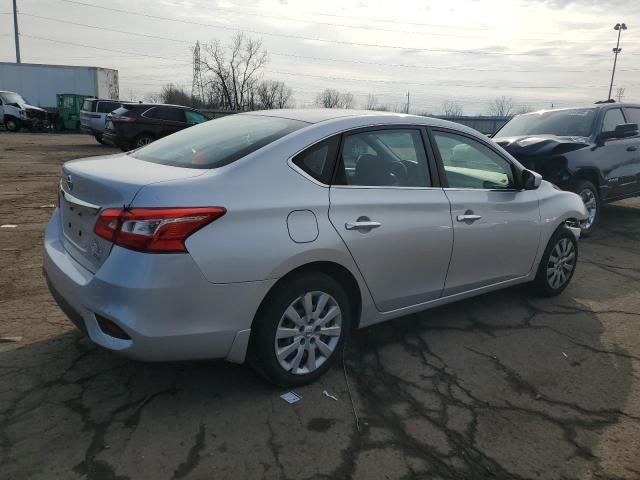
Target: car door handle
468, 218
632, 148
361, 225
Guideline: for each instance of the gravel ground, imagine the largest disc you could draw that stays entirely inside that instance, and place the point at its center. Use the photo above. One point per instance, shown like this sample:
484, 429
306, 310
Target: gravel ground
501, 386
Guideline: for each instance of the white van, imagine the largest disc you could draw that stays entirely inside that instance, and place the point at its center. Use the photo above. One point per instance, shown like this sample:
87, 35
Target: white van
16, 113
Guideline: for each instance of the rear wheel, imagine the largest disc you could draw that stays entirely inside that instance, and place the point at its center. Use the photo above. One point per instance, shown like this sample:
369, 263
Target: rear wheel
12, 124
142, 140
300, 330
558, 263
589, 195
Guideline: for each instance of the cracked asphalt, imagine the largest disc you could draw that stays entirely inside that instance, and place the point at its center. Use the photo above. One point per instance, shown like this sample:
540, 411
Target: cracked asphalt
504, 386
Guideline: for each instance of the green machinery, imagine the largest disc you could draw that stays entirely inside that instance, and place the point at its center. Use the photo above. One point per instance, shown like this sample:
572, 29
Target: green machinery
69, 105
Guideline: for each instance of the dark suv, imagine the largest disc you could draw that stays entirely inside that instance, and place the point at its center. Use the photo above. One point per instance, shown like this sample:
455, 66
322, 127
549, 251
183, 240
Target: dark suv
592, 151
138, 124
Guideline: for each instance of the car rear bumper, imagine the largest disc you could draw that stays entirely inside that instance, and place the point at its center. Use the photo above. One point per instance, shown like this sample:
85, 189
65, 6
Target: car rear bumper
110, 138
163, 303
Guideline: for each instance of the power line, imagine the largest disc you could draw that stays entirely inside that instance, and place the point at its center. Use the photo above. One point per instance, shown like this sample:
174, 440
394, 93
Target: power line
363, 62
338, 42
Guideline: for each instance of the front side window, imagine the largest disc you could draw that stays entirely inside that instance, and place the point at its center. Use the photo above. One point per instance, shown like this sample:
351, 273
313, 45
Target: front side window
378, 158
218, 142
612, 118
194, 117
470, 164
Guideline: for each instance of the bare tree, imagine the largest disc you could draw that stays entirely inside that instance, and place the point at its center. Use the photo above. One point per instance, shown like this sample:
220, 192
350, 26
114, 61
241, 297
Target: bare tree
273, 94
232, 72
451, 108
332, 98
620, 93
152, 97
523, 109
501, 106
371, 103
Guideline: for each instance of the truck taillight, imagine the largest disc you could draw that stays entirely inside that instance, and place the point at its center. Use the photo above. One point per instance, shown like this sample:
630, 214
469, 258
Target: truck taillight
162, 230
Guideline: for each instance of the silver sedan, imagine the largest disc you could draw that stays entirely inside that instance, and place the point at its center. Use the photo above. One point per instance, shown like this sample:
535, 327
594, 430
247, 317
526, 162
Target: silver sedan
268, 236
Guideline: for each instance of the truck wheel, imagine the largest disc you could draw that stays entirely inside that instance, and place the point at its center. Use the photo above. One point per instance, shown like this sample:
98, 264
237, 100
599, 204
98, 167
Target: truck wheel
591, 199
12, 124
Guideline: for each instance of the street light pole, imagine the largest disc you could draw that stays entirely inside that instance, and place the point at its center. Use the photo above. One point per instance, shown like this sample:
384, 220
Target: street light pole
619, 27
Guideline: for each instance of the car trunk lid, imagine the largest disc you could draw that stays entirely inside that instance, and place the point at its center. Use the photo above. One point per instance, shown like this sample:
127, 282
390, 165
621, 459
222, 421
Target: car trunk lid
90, 185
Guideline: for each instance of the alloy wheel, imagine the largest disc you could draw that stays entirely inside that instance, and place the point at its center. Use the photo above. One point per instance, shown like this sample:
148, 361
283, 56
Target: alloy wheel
562, 261
308, 332
142, 141
591, 204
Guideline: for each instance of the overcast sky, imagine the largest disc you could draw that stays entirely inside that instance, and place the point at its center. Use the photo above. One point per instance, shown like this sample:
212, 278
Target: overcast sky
540, 52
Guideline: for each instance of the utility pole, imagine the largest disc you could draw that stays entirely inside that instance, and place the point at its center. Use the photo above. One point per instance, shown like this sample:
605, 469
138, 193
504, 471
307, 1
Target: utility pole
619, 27
408, 99
15, 31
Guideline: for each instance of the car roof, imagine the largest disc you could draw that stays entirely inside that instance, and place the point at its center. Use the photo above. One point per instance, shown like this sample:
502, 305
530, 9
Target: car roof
355, 118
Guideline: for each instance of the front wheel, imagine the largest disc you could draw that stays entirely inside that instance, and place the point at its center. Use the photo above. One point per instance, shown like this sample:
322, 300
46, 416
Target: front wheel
558, 263
99, 139
12, 124
300, 330
589, 195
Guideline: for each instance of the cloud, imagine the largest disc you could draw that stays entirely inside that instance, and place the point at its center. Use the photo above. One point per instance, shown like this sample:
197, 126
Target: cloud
587, 3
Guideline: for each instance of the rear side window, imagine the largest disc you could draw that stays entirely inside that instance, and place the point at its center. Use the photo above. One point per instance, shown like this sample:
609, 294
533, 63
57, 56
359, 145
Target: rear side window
612, 118
166, 113
107, 107
120, 111
218, 142
317, 161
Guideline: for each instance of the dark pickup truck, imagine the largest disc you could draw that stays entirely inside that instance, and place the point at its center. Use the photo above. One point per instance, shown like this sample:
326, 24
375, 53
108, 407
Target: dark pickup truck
593, 151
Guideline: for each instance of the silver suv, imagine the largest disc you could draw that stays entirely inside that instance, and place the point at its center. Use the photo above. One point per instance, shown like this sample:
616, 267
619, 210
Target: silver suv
93, 115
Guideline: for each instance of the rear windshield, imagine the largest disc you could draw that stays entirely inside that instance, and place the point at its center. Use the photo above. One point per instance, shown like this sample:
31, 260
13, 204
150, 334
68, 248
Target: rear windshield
217, 142
563, 123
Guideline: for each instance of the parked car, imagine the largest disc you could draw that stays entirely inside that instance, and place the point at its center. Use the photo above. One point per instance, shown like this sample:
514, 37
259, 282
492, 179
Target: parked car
138, 124
592, 151
268, 236
93, 115
16, 113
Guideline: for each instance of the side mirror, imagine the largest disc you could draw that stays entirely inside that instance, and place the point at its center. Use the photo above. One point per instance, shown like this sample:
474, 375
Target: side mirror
531, 180
624, 130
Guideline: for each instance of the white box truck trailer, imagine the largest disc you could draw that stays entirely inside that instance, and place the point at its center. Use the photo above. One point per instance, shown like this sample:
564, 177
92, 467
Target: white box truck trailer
39, 84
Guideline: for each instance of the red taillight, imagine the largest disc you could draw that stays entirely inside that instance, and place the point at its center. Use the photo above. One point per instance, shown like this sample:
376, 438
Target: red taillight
154, 229
121, 118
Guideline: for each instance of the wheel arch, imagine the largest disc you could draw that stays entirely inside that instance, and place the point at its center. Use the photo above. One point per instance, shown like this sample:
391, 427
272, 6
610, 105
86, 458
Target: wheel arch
338, 272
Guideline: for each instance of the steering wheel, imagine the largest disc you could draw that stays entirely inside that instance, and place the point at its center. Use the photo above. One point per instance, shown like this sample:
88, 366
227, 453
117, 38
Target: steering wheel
398, 173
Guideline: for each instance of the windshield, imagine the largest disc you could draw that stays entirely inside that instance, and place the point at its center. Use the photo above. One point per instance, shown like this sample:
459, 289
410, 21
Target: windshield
217, 142
11, 98
565, 123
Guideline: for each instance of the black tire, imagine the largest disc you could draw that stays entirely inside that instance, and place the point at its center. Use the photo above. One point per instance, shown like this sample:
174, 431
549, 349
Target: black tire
543, 284
99, 139
12, 124
589, 194
141, 140
262, 346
